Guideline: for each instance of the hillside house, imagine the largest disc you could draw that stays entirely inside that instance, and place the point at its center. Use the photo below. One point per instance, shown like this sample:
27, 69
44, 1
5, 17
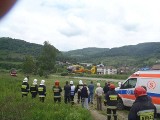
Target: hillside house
106, 70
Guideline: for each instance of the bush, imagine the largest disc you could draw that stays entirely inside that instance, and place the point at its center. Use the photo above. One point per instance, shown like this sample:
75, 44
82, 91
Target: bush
64, 74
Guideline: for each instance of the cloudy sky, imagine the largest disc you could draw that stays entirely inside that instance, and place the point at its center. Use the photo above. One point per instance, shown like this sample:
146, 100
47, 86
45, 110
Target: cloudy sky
76, 24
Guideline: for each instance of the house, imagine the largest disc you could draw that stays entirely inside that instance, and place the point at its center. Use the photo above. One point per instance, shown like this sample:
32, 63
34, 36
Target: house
106, 70
156, 67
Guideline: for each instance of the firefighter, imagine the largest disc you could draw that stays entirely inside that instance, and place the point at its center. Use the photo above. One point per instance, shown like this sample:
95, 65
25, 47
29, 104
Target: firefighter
78, 90
57, 91
72, 92
142, 108
112, 100
42, 91
34, 88
25, 87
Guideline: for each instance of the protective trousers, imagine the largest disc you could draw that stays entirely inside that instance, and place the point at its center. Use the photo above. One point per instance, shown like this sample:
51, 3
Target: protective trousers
111, 109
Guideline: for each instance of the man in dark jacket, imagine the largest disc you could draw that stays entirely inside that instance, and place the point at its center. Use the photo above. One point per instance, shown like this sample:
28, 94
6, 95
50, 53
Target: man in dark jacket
142, 108
25, 87
112, 100
91, 92
84, 96
42, 91
67, 89
106, 89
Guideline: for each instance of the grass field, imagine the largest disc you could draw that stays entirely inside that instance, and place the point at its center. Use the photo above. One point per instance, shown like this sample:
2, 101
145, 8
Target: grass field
13, 107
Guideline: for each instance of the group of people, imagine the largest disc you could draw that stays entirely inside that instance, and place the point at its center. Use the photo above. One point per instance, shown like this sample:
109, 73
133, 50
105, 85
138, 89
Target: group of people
34, 89
142, 109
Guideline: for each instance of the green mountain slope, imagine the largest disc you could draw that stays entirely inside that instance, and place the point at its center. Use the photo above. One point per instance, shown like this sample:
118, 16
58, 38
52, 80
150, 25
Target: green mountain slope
143, 54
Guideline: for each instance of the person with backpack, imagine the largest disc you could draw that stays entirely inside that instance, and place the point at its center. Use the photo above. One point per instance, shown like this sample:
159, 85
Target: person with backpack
78, 90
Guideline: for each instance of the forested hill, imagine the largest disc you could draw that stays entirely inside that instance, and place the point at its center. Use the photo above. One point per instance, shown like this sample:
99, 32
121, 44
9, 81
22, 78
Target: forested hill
142, 49
140, 54
19, 46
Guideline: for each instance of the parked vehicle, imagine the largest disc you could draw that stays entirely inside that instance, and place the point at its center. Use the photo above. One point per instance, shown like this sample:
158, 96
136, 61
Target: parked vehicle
13, 72
150, 79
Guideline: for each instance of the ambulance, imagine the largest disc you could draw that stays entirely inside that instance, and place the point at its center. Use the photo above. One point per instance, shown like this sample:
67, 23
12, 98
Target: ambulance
150, 79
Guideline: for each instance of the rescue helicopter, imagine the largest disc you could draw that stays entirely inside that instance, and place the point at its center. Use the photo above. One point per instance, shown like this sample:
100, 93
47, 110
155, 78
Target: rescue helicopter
81, 69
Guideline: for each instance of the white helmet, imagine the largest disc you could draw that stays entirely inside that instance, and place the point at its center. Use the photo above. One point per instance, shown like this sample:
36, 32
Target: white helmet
71, 82
25, 79
42, 82
80, 82
34, 81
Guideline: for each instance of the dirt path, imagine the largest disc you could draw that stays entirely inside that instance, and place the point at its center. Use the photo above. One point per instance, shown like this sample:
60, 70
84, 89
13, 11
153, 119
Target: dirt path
102, 115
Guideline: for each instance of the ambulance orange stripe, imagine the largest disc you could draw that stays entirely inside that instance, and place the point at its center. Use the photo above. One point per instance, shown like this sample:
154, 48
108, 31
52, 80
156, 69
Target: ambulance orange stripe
146, 75
155, 100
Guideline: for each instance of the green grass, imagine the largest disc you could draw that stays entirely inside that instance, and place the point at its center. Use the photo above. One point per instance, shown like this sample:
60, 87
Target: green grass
13, 107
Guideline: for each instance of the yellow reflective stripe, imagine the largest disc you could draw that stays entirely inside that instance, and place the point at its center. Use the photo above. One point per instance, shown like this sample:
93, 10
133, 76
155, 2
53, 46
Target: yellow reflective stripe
24, 86
113, 97
146, 114
112, 107
40, 89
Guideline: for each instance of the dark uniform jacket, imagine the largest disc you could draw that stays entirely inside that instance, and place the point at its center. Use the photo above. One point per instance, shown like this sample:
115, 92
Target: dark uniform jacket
57, 91
67, 89
112, 98
84, 92
106, 88
42, 90
34, 89
25, 88
142, 109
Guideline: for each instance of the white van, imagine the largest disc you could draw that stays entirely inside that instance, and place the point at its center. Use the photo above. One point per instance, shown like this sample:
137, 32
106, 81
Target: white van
150, 79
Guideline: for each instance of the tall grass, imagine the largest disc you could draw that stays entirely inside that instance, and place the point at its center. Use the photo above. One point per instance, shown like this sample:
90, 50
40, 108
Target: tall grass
14, 107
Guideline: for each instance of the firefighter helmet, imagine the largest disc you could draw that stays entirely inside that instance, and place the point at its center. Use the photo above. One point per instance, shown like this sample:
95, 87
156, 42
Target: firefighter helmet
42, 82
80, 82
56, 83
112, 86
25, 79
139, 91
71, 82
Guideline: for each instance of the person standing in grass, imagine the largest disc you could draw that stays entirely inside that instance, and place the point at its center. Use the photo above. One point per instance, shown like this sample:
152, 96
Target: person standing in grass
42, 91
98, 94
57, 91
106, 89
72, 92
34, 88
112, 100
91, 92
78, 90
84, 96
67, 90
25, 87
